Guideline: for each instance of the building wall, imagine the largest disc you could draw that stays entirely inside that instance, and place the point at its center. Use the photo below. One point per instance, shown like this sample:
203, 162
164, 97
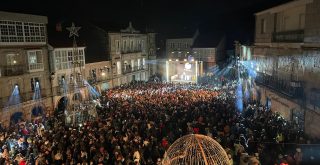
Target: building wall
206, 55
62, 70
179, 48
295, 59
102, 79
24, 61
130, 52
266, 35
312, 23
151, 49
290, 19
312, 124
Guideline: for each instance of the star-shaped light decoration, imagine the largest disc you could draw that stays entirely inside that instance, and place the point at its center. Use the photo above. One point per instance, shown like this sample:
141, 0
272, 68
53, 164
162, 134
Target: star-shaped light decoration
73, 30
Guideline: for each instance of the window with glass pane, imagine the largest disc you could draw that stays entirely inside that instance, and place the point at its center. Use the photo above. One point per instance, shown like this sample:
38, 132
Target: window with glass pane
39, 56
42, 31
32, 57
70, 56
4, 30
11, 59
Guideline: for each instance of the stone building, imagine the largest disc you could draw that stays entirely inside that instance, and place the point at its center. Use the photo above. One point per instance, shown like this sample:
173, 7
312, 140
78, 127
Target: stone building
209, 48
287, 53
63, 81
25, 90
130, 52
180, 47
99, 75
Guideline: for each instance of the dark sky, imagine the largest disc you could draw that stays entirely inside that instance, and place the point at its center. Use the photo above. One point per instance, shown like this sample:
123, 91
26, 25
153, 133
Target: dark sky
164, 16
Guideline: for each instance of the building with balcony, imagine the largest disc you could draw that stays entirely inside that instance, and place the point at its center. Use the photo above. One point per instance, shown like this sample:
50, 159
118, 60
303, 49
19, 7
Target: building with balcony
99, 75
67, 67
287, 53
151, 51
24, 69
180, 47
130, 52
209, 48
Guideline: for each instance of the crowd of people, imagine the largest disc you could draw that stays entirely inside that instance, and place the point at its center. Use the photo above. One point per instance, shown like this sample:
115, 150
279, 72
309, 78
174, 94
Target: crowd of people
138, 122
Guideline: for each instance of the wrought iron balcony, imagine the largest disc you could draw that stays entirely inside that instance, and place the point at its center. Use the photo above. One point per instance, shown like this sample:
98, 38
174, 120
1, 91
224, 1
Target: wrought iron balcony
12, 70
293, 89
288, 36
134, 69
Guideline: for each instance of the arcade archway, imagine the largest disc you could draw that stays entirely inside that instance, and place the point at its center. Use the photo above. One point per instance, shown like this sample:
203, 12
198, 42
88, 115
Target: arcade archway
37, 113
62, 106
16, 118
77, 97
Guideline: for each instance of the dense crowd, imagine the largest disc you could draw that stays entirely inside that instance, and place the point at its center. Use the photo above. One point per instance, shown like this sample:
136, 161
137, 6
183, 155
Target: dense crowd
138, 122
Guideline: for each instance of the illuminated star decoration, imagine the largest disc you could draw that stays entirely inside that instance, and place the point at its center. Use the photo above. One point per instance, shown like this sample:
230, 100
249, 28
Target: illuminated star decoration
73, 30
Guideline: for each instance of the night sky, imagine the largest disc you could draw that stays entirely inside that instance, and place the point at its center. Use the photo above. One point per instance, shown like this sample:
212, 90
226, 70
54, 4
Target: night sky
165, 17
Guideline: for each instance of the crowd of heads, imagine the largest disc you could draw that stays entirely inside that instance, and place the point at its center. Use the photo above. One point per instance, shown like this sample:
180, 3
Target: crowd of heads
137, 123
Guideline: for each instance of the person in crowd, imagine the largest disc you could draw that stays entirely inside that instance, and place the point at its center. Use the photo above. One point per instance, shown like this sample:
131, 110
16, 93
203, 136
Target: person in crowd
138, 122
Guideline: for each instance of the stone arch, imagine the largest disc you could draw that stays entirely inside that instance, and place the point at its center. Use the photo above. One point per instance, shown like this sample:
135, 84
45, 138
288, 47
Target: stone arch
77, 97
62, 105
16, 117
37, 112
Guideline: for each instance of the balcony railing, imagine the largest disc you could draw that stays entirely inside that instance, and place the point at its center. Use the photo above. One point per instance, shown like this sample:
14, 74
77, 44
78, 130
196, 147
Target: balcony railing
288, 36
134, 69
92, 80
293, 89
24, 97
36, 67
130, 51
12, 70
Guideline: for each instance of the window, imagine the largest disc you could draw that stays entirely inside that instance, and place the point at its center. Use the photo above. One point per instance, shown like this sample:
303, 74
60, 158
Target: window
301, 21
64, 59
117, 45
35, 60
144, 63
80, 52
139, 65
124, 45
32, 58
285, 24
119, 67
35, 84
131, 45
142, 45
263, 26
70, 58
13, 31
58, 60
139, 44
12, 59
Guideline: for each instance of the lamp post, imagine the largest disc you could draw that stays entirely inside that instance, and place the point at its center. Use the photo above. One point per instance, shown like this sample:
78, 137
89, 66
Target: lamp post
52, 77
